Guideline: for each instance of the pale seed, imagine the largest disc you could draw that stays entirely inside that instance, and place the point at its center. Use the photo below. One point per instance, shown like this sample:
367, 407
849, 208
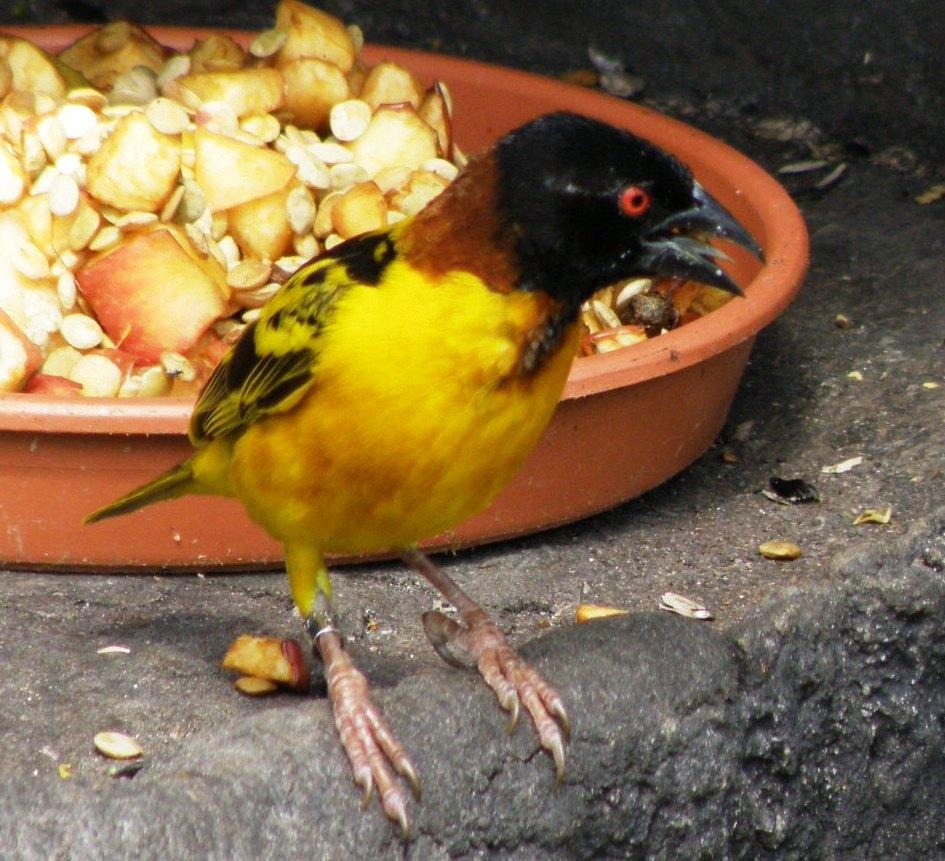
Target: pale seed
255, 299
66, 290
330, 153
61, 361
268, 42
249, 274
153, 382
780, 550
606, 315
12, 179
170, 208
70, 164
44, 181
345, 174
136, 219
214, 251
178, 366
138, 86
81, 331
255, 687
198, 239
113, 650
83, 228
265, 127
167, 116
176, 67
105, 238
301, 209
251, 316
51, 136
219, 224
30, 262
349, 119
230, 251
98, 375
332, 240
305, 245
63, 195
217, 117
441, 167
34, 156
117, 745
76, 120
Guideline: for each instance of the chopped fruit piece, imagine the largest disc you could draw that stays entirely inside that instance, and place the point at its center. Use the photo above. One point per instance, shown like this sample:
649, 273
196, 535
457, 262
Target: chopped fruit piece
395, 137
255, 687
19, 356
435, 112
112, 50
247, 91
151, 294
587, 612
313, 33
136, 167
312, 86
390, 84
268, 658
32, 69
230, 172
217, 53
360, 209
50, 384
261, 227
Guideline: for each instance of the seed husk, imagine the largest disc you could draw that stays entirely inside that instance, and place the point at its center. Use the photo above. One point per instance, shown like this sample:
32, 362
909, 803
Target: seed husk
881, 516
255, 687
683, 606
780, 550
843, 466
587, 612
117, 745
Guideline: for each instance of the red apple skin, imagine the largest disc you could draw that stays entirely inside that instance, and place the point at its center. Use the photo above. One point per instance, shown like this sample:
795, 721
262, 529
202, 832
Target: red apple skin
52, 384
151, 295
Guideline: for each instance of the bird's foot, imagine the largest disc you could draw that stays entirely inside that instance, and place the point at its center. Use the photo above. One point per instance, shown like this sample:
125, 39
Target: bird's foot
375, 755
481, 644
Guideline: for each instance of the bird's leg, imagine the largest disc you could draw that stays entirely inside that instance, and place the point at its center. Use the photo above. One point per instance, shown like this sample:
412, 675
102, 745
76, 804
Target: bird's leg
373, 751
478, 642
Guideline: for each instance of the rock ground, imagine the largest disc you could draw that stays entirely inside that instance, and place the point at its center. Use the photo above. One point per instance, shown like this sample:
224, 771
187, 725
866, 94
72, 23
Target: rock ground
806, 721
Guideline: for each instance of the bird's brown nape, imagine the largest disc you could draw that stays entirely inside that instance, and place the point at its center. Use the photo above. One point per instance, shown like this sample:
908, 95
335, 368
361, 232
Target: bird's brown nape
461, 231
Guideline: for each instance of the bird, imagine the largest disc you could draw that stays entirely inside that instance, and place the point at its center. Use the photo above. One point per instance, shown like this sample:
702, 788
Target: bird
395, 383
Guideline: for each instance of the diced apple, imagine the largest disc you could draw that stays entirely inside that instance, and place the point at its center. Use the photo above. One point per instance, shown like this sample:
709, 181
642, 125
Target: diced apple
268, 658
434, 110
418, 191
261, 227
312, 86
217, 53
390, 84
33, 70
136, 167
231, 172
112, 50
152, 293
313, 33
361, 208
247, 91
19, 356
50, 384
396, 136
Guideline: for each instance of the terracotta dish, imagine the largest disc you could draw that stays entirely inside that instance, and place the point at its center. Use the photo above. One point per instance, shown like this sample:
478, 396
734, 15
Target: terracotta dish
627, 421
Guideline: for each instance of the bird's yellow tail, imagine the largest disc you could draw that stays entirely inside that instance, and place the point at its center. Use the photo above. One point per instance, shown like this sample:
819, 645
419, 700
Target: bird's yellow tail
175, 482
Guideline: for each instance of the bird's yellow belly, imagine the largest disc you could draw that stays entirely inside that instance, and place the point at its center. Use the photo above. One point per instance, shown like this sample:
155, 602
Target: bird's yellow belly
415, 423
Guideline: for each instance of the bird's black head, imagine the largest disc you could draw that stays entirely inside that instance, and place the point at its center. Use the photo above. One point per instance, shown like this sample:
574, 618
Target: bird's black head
589, 204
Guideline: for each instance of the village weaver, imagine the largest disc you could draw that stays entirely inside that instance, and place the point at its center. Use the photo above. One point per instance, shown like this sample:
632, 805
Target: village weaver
395, 384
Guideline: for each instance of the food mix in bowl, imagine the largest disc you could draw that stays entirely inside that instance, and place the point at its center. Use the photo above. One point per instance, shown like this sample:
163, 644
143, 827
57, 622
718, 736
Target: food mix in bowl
152, 201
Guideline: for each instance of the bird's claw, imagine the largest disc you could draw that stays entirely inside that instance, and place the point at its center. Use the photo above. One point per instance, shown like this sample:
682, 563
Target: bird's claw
513, 681
375, 755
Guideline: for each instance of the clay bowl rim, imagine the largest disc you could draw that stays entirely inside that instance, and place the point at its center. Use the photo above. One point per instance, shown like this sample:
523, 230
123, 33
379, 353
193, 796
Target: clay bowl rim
780, 230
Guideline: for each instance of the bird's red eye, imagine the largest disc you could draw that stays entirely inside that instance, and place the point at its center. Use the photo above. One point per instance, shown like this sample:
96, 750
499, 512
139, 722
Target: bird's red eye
634, 201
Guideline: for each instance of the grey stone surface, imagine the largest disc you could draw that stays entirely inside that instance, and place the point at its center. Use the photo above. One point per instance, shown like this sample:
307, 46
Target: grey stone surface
805, 722
811, 729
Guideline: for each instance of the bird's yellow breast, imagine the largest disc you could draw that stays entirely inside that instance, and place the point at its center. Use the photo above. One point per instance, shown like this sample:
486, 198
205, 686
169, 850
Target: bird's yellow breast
418, 415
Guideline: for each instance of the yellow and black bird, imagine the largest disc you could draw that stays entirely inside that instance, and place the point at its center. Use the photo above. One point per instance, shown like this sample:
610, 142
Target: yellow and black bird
395, 383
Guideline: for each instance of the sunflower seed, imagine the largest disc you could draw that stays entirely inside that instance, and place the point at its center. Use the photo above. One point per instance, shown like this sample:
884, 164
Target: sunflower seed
683, 606
63, 195
117, 745
268, 42
98, 375
76, 120
81, 331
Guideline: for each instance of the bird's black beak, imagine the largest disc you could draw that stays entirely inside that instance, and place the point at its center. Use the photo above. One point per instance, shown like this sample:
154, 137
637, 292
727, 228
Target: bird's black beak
678, 247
